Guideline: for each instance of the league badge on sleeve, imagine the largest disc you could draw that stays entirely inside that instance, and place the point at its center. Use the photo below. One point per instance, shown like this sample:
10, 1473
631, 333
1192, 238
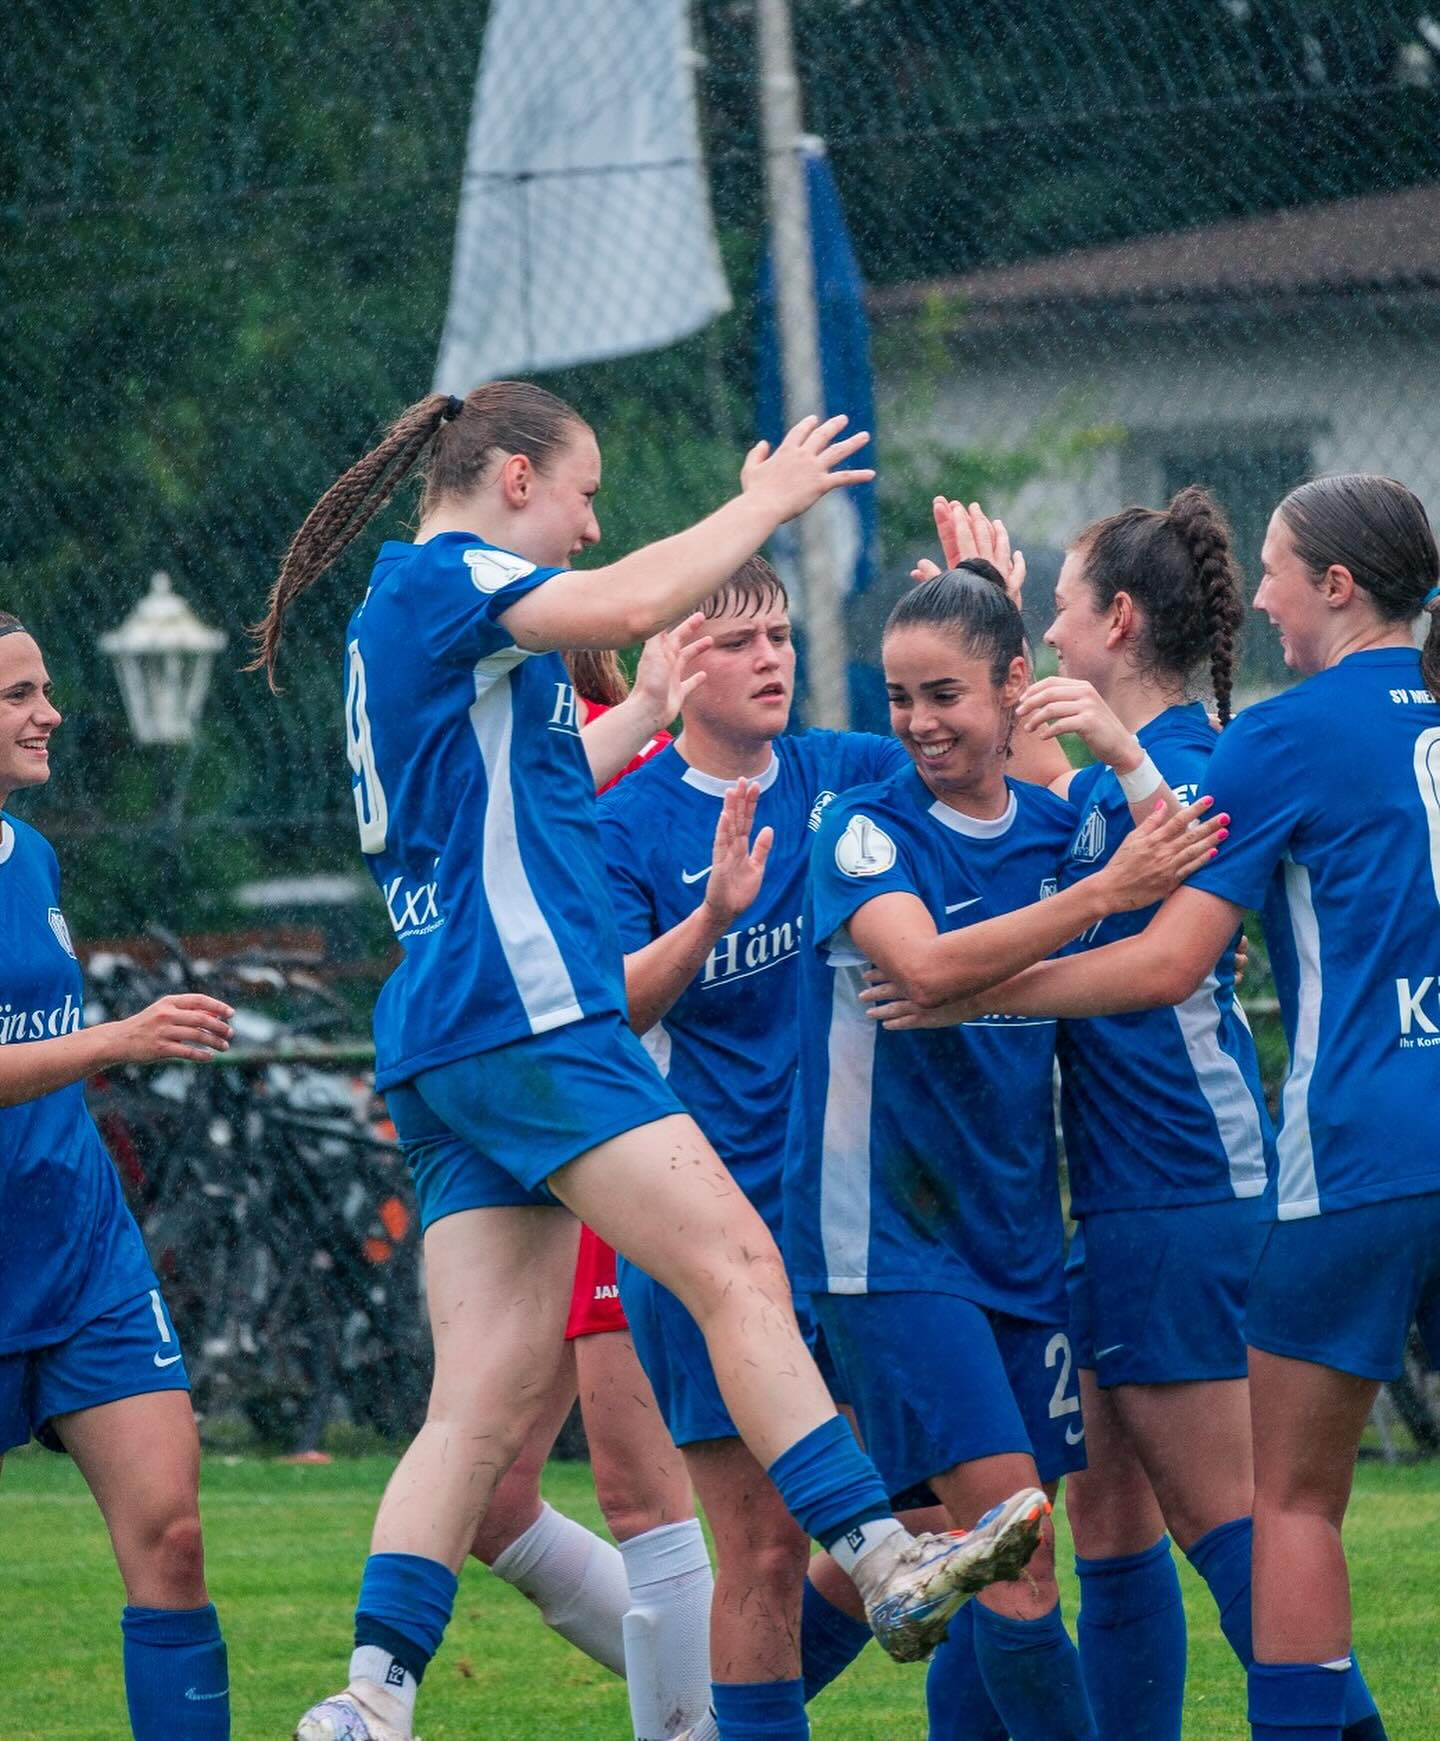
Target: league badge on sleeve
492, 569
864, 849
62, 931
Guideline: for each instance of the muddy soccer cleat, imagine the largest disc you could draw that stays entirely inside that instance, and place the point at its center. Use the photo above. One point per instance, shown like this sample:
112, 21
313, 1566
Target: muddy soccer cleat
933, 1574
350, 1716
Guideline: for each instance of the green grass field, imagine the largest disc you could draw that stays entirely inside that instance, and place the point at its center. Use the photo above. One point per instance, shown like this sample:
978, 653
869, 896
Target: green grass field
285, 1547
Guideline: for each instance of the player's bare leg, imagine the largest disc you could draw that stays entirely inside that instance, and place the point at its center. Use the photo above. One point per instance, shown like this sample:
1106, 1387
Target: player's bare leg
760, 1558
1308, 1421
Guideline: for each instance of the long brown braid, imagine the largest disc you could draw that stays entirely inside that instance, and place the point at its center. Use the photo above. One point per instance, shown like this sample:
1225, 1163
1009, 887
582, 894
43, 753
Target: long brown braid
1196, 516
454, 440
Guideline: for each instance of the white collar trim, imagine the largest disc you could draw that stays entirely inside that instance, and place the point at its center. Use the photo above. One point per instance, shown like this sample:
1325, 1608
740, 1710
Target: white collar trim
978, 828
717, 788
7, 840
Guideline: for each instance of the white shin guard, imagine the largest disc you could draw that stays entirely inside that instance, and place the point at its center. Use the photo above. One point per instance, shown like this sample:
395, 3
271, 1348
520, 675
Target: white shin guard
576, 1580
667, 1629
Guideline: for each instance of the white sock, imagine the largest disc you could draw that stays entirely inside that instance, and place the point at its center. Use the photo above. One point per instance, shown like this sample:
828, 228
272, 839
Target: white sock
576, 1580
707, 1729
667, 1629
867, 1554
389, 1685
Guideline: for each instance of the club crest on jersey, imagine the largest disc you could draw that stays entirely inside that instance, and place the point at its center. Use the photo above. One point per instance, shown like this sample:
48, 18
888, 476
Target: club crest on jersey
864, 849
62, 931
1049, 886
492, 569
1089, 840
818, 808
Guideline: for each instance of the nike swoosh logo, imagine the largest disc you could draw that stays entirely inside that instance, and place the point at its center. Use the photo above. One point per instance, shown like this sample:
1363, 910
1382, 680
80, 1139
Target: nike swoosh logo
1114, 1348
166, 1360
955, 906
1074, 1436
199, 1698
694, 876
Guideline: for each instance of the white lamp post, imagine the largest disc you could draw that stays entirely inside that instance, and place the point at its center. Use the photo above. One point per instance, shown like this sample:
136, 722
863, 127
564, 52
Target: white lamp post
163, 654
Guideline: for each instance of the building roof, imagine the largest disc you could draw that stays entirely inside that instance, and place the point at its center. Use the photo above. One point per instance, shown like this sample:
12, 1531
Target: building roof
1377, 242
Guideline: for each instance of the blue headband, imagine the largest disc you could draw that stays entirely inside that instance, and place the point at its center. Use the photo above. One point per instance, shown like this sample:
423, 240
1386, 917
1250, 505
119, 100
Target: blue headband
1430, 598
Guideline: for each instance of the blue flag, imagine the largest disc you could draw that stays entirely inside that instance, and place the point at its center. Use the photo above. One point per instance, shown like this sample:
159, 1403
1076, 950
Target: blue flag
845, 372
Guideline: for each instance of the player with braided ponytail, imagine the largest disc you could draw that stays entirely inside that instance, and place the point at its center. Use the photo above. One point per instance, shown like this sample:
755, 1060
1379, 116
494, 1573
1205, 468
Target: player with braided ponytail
1168, 1139
513, 1079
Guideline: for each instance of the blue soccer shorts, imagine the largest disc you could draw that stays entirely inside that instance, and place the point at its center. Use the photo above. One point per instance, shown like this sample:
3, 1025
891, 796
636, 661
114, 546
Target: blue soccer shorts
1343, 1288
672, 1351
128, 1351
936, 1380
1157, 1296
488, 1130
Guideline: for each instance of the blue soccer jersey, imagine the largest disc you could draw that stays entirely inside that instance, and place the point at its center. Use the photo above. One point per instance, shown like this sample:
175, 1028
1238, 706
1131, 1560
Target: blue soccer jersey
1333, 788
924, 1160
1162, 1107
69, 1247
476, 809
728, 1043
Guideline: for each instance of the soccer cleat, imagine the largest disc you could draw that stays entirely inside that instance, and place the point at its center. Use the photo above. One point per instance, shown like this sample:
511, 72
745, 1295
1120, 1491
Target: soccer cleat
348, 1716
933, 1574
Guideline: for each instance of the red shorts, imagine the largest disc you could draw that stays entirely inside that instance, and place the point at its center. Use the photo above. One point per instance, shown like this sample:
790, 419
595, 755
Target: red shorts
595, 1304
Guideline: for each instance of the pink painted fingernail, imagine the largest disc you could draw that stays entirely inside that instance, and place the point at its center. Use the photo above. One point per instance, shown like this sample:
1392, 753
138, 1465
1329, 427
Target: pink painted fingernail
1224, 834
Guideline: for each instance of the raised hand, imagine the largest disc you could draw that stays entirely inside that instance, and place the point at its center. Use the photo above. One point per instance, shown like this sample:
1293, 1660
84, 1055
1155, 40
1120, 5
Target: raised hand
736, 868
1156, 857
794, 476
186, 1024
1056, 705
969, 532
665, 677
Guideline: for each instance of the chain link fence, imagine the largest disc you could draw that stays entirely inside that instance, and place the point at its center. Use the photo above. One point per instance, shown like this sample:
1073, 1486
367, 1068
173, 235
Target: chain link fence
1110, 249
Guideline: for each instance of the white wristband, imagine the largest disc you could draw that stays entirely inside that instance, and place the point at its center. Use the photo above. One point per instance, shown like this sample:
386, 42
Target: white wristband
1142, 782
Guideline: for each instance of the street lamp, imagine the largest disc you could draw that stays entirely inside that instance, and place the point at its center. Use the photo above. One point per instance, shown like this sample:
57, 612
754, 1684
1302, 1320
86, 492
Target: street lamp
162, 654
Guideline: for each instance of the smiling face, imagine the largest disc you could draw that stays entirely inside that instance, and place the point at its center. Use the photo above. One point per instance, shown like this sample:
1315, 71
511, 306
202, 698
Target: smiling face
749, 675
1081, 634
27, 715
947, 710
1295, 605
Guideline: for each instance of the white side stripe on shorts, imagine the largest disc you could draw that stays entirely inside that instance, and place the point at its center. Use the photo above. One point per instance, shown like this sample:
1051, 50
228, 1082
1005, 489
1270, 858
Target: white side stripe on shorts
533, 956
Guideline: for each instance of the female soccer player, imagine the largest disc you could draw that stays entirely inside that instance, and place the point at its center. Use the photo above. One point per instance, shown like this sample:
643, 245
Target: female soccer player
641, 1609
89, 1361
1337, 839
501, 1043
921, 1202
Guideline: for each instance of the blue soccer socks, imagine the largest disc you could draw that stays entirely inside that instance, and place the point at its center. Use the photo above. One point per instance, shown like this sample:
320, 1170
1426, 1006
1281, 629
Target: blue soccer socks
400, 1618
177, 1683
1297, 1701
1131, 1631
1032, 1673
829, 1485
760, 1710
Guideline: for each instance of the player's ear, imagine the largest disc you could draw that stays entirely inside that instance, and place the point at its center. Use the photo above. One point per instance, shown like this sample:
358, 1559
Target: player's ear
1017, 681
517, 480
